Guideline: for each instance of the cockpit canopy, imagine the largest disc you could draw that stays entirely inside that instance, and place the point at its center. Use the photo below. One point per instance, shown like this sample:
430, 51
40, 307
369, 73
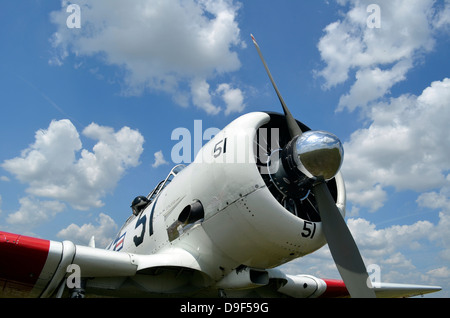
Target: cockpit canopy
141, 202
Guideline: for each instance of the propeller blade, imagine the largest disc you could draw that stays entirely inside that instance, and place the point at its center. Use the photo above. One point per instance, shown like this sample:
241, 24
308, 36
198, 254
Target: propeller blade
294, 129
342, 245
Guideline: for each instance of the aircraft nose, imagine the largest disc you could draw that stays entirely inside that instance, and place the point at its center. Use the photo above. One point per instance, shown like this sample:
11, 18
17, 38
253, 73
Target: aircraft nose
318, 154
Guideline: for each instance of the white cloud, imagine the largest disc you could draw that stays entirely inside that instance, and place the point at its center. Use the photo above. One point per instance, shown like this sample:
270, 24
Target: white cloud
404, 147
161, 45
372, 83
33, 212
382, 244
392, 249
233, 97
436, 200
159, 159
401, 250
441, 272
201, 96
443, 16
404, 144
52, 169
441, 237
380, 57
103, 232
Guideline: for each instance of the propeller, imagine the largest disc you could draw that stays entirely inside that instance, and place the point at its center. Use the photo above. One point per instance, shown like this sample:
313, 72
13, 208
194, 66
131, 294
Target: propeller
294, 129
327, 151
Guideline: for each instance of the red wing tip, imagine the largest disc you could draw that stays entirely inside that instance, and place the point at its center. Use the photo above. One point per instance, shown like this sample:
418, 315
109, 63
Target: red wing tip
22, 257
335, 288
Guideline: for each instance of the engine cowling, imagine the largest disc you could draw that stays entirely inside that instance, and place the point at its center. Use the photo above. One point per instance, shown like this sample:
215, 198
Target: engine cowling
246, 216
290, 174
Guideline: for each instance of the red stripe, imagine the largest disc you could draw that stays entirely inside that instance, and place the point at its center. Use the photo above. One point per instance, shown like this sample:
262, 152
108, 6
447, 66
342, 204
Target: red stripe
120, 242
335, 288
22, 259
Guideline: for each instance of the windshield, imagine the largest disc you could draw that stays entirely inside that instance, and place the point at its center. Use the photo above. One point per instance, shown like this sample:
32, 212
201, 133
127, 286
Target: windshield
175, 170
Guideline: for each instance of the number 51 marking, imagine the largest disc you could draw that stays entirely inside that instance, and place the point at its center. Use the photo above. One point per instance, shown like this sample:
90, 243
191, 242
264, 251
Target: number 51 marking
309, 229
219, 148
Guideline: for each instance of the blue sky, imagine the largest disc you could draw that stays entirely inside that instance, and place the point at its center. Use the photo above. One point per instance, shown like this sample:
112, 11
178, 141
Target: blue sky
85, 110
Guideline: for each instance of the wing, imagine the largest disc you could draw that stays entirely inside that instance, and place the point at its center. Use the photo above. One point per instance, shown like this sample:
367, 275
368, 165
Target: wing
279, 284
307, 286
33, 267
390, 290
336, 289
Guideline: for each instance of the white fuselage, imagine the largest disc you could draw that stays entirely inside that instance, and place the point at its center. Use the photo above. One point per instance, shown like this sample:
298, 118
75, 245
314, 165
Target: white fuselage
242, 224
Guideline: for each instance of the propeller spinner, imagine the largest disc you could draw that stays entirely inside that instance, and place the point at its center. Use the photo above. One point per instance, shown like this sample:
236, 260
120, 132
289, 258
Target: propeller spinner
307, 161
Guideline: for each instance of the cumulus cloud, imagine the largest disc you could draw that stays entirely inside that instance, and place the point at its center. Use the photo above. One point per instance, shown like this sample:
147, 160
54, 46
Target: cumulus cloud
441, 272
389, 248
387, 242
443, 16
33, 212
393, 249
436, 200
233, 98
403, 147
379, 57
440, 200
55, 166
404, 144
201, 96
103, 232
172, 46
159, 159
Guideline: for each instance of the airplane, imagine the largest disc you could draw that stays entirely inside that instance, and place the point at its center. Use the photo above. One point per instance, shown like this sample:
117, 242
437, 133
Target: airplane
264, 191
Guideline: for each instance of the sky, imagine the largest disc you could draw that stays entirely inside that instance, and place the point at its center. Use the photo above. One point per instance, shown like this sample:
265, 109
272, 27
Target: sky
92, 100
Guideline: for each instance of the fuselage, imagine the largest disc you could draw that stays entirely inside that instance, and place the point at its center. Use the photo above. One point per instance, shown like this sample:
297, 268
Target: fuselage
235, 220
